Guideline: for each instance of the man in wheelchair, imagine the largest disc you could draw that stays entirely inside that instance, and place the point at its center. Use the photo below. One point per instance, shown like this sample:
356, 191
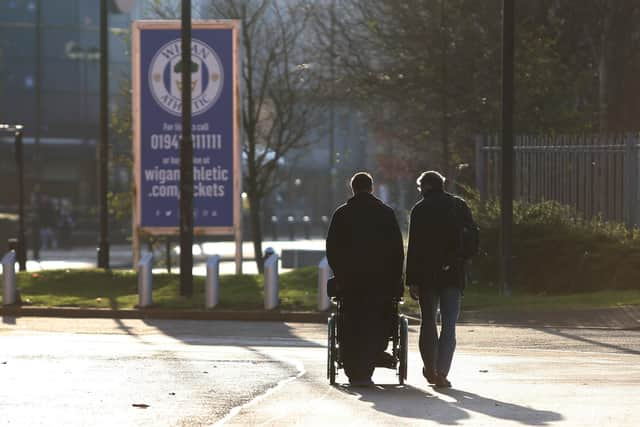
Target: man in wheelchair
365, 251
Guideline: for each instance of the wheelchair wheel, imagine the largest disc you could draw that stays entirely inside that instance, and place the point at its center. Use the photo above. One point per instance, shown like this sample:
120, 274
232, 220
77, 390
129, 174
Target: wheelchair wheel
331, 350
403, 349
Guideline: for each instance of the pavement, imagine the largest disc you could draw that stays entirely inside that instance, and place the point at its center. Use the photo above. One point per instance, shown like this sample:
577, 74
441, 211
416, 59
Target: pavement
121, 256
619, 318
107, 372
622, 317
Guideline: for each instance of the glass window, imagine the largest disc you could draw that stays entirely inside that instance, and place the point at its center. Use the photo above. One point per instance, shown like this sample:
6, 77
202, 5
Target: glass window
17, 41
16, 74
18, 106
17, 10
60, 12
89, 13
63, 75
62, 43
63, 115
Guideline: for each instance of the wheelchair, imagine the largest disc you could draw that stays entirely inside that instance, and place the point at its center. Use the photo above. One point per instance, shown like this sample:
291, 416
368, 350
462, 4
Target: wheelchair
398, 338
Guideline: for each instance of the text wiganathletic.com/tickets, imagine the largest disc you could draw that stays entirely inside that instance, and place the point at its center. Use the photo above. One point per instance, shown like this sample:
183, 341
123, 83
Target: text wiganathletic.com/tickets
200, 173
200, 189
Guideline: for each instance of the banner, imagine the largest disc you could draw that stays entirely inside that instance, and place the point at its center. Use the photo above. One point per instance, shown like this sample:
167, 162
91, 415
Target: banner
157, 110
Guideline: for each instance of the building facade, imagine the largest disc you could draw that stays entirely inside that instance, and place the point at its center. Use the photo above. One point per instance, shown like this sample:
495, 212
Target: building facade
49, 83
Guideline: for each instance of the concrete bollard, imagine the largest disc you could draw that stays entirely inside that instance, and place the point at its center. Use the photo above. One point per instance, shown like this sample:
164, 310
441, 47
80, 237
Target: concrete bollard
271, 282
212, 285
9, 293
324, 274
145, 280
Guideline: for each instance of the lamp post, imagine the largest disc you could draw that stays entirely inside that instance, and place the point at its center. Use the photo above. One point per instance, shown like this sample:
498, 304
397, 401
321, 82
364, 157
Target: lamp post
103, 153
22, 247
332, 108
508, 30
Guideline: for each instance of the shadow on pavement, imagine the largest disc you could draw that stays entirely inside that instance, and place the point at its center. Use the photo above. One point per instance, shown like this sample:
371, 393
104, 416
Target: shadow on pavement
575, 337
411, 402
113, 303
234, 333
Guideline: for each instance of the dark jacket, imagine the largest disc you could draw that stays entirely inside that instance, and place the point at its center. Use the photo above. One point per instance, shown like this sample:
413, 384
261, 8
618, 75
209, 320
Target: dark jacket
364, 246
433, 258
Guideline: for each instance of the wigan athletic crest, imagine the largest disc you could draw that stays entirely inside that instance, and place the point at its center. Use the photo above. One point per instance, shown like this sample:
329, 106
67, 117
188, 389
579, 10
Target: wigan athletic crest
165, 77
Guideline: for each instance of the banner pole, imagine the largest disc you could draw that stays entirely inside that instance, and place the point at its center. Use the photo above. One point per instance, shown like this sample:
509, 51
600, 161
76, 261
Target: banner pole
186, 160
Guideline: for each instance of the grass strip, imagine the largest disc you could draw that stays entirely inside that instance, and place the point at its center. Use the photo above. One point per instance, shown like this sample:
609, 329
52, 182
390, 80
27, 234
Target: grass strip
117, 289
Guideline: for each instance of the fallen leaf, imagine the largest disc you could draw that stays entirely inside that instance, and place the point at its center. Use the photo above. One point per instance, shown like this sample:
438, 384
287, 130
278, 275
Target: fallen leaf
140, 405
35, 275
484, 371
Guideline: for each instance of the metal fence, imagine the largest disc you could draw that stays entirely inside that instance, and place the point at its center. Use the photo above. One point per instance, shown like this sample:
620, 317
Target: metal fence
595, 175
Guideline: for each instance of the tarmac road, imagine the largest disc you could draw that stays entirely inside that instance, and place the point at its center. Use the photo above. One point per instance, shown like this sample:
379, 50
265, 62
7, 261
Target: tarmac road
93, 371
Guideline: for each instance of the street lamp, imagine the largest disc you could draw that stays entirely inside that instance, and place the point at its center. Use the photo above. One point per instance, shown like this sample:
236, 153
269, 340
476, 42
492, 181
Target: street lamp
78, 53
21, 249
85, 56
103, 153
506, 202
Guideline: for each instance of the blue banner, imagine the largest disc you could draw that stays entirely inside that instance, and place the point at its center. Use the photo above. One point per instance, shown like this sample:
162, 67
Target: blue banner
160, 128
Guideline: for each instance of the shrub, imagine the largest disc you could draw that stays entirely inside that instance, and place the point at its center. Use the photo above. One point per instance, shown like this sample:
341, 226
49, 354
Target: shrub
555, 251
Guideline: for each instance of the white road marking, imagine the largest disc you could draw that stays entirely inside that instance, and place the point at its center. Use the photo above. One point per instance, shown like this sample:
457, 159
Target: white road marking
281, 384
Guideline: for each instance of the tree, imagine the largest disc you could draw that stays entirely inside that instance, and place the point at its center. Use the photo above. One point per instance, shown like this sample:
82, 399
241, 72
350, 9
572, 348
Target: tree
603, 37
426, 71
279, 110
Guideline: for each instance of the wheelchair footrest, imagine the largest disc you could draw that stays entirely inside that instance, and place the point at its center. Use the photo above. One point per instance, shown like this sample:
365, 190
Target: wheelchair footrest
385, 360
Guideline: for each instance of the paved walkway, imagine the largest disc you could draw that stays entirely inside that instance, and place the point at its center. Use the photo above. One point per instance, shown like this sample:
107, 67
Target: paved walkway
189, 373
121, 256
623, 317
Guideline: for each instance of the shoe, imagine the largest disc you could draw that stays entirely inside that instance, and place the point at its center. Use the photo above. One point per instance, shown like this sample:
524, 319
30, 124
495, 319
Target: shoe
430, 375
361, 382
384, 360
442, 381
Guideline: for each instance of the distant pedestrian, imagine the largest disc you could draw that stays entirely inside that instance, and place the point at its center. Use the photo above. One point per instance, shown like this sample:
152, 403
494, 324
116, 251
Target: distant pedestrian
65, 225
35, 223
365, 252
441, 234
48, 220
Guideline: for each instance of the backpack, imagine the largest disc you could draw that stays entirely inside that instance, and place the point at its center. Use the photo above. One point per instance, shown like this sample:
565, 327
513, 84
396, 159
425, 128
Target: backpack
467, 235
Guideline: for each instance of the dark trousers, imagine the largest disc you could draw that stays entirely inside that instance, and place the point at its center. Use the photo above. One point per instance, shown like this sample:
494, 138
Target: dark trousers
365, 330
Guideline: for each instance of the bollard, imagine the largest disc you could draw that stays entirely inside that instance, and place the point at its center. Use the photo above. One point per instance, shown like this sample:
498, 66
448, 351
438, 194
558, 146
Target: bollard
324, 274
212, 285
307, 227
292, 227
274, 227
271, 282
9, 294
145, 280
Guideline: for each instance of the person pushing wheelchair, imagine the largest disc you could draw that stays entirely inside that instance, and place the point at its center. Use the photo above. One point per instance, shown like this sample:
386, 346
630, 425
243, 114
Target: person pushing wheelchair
365, 251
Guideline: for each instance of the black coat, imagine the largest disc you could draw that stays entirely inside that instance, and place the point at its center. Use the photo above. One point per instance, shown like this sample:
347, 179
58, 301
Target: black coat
433, 254
365, 248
